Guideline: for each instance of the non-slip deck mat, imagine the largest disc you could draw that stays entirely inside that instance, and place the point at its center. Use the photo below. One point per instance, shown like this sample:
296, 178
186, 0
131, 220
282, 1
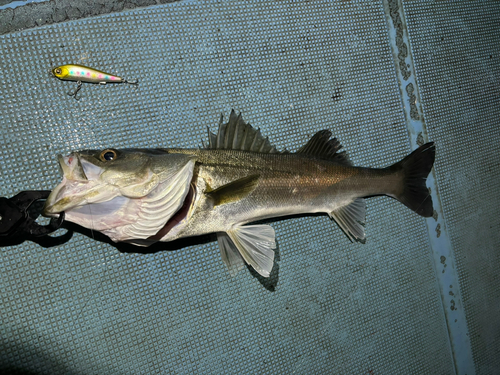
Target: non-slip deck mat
456, 50
291, 68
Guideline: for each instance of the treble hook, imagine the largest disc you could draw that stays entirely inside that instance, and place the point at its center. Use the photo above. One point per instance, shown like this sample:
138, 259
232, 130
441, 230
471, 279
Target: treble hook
78, 88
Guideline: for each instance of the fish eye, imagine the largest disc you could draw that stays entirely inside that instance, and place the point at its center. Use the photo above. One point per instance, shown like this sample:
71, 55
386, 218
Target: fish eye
58, 71
108, 155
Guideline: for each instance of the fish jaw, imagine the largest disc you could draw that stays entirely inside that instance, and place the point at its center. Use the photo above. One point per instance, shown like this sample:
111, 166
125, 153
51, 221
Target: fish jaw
76, 188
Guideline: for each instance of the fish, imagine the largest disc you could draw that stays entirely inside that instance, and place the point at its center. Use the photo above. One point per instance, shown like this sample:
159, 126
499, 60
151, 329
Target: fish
232, 186
80, 73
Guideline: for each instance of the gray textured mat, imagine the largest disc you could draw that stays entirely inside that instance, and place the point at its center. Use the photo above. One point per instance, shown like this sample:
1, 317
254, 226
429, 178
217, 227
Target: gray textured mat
456, 50
334, 307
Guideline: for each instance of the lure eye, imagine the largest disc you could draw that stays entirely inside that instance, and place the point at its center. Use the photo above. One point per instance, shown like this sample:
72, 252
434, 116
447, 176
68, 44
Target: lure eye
58, 71
108, 155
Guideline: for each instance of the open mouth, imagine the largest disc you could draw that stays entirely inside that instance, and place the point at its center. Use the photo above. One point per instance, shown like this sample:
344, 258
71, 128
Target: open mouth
176, 218
67, 193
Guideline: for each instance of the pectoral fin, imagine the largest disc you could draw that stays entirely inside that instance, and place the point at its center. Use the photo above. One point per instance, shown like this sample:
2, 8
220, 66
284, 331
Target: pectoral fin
351, 218
255, 244
234, 191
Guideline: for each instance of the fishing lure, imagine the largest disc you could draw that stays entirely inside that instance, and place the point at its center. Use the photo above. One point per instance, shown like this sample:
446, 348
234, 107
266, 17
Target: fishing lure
80, 73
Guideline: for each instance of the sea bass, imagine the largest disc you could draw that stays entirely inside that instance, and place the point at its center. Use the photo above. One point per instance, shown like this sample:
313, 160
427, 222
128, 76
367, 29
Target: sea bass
147, 195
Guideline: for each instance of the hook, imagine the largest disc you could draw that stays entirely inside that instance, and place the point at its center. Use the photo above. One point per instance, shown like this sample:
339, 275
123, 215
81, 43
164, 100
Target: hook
78, 88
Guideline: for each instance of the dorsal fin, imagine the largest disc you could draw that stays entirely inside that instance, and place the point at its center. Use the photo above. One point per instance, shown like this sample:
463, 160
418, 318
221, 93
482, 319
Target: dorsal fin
236, 134
321, 146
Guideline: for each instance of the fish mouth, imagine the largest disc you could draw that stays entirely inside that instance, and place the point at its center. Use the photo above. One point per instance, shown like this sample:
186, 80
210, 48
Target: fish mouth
63, 165
72, 167
68, 193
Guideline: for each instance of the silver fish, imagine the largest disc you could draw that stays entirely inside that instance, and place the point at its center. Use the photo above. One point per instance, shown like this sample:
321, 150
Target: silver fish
147, 195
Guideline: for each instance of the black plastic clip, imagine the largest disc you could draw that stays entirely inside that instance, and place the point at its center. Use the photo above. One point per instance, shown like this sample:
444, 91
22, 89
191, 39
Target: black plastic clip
18, 218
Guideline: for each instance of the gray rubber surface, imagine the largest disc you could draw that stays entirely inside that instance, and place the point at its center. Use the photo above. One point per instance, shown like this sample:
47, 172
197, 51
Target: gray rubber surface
457, 61
90, 307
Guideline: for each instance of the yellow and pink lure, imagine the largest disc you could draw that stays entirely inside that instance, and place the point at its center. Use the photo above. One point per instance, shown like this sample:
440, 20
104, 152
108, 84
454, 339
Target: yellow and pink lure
80, 73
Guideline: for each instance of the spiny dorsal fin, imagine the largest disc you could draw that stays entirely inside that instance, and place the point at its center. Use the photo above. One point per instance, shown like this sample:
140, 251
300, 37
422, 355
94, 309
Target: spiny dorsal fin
236, 134
233, 191
321, 146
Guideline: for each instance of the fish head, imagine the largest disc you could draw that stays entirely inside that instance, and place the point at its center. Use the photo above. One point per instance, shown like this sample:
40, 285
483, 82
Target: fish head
60, 72
126, 194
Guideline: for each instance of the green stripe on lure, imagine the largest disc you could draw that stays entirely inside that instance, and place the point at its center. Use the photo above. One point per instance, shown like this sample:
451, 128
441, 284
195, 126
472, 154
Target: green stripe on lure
80, 73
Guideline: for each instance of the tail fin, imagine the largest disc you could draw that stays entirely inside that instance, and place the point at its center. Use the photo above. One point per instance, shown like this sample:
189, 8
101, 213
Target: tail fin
416, 167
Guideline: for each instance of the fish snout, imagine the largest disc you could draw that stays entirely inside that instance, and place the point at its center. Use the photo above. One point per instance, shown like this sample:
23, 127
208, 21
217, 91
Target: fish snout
71, 167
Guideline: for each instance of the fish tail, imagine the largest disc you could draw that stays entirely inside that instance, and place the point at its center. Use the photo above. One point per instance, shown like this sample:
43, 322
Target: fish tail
415, 168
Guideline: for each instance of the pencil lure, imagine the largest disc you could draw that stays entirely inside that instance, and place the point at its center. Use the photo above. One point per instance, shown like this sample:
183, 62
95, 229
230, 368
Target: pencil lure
80, 73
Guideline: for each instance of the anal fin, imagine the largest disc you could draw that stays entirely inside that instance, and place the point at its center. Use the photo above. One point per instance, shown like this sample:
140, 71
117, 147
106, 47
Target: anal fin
351, 219
255, 244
